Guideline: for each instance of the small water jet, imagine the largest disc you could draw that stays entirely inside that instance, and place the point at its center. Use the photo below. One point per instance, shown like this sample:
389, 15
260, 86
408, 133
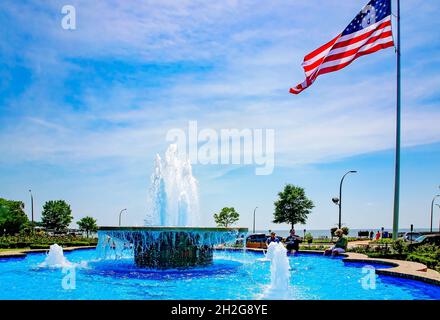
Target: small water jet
55, 258
279, 271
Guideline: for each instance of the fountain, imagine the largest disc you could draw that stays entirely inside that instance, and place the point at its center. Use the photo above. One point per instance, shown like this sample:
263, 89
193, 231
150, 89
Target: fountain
279, 271
55, 258
170, 238
173, 197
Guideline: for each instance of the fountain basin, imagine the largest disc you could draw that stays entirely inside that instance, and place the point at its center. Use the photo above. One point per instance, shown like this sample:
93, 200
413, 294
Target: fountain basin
165, 247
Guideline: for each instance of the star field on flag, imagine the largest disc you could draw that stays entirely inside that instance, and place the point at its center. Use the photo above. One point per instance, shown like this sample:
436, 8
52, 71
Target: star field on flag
368, 32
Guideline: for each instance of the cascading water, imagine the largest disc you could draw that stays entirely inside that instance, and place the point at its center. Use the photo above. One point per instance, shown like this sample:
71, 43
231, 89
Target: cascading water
279, 271
55, 258
164, 247
173, 196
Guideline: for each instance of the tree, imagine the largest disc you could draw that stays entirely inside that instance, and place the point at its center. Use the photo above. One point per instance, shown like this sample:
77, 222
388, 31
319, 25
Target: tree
88, 224
12, 216
56, 215
292, 206
226, 217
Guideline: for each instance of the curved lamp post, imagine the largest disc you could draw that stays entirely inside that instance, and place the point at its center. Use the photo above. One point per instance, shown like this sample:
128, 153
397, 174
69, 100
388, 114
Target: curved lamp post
432, 208
438, 205
254, 220
338, 201
120, 215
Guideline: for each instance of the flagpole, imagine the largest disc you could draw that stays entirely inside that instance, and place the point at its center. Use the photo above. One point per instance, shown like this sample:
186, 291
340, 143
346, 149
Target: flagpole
397, 161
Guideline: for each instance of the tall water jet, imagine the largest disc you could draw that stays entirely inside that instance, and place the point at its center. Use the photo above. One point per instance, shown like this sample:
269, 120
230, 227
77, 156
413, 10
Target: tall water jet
279, 271
55, 258
171, 237
173, 196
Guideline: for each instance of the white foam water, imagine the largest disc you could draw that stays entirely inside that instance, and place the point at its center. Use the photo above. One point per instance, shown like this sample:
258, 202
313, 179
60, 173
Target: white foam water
279, 272
55, 258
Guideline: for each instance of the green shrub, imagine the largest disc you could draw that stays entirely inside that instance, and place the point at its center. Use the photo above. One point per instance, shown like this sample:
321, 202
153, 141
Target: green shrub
22, 245
398, 245
428, 255
360, 249
383, 241
39, 246
383, 249
76, 244
385, 255
426, 260
319, 248
25, 241
321, 240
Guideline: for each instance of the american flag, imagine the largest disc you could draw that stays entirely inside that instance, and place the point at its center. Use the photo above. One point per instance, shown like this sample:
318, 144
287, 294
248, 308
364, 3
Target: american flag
368, 32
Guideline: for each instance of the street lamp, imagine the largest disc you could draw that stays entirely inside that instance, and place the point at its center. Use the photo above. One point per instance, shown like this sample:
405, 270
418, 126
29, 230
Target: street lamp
338, 201
432, 208
254, 220
438, 205
32, 209
120, 215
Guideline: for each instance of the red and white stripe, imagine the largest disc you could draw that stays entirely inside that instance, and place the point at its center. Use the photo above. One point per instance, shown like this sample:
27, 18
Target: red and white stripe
343, 50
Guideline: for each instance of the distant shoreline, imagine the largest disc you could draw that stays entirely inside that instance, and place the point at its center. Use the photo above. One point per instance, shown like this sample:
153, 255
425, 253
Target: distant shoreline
322, 233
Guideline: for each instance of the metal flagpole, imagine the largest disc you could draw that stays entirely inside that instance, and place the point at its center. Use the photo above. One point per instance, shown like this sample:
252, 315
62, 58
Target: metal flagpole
397, 168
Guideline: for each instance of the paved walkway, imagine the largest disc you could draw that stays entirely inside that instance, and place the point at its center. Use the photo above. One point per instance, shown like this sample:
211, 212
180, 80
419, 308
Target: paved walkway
401, 268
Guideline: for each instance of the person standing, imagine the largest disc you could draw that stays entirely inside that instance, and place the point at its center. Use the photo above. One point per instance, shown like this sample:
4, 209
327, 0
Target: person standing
377, 235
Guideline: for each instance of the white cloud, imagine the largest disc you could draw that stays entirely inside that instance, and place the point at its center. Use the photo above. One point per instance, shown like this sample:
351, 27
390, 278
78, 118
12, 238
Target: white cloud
256, 53
99, 100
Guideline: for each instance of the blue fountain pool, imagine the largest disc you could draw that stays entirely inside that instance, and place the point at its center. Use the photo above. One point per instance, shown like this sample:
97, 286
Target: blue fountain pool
234, 275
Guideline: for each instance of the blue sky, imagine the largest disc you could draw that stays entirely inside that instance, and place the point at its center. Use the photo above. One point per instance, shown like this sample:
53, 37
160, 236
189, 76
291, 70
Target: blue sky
83, 112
